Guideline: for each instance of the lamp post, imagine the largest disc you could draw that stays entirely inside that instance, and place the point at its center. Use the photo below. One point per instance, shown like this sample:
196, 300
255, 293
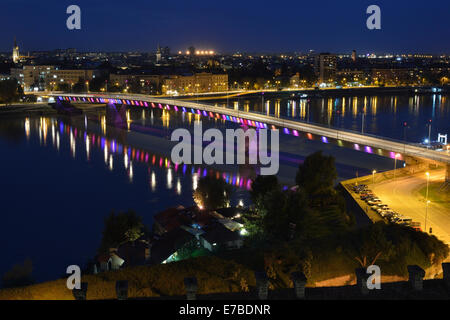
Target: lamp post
262, 101
362, 121
87, 86
397, 155
373, 176
428, 182
426, 214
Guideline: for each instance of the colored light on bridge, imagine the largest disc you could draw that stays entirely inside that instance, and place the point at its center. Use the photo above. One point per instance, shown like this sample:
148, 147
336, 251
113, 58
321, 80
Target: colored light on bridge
368, 149
324, 139
309, 135
286, 130
295, 132
356, 146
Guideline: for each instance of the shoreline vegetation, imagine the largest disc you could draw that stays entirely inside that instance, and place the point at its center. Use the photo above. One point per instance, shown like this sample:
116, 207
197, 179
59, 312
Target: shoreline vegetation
326, 265
306, 228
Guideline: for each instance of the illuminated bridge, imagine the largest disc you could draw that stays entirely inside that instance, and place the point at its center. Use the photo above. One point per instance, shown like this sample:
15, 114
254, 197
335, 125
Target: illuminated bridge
345, 138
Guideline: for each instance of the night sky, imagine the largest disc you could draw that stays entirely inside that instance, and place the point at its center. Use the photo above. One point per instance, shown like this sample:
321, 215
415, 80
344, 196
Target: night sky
228, 26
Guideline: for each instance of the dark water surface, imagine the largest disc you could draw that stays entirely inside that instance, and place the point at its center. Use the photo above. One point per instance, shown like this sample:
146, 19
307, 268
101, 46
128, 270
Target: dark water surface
401, 117
60, 177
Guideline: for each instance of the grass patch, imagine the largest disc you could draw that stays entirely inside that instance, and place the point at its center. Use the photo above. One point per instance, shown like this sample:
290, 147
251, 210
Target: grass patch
437, 194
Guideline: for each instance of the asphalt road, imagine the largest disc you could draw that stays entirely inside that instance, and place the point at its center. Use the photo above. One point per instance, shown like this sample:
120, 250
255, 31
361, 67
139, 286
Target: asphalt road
402, 196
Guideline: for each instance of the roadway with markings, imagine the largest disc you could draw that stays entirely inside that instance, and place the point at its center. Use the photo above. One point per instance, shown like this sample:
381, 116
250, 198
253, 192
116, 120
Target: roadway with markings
402, 195
399, 147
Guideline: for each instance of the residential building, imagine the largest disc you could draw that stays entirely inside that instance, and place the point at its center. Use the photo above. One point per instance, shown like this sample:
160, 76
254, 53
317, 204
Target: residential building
32, 78
216, 236
325, 67
391, 76
47, 77
196, 83
122, 80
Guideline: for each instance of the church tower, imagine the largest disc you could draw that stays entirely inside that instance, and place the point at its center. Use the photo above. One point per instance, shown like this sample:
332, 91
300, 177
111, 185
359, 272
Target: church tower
158, 54
15, 52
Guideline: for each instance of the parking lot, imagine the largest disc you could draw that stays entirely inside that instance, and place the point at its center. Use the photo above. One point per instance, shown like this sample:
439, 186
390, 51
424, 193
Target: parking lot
373, 205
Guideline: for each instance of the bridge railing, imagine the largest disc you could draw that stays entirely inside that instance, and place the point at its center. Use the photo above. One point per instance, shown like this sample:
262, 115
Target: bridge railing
313, 128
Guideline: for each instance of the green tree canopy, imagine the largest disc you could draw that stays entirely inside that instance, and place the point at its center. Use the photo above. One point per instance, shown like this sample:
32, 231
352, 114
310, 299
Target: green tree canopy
80, 86
20, 275
262, 185
10, 91
120, 228
317, 175
212, 193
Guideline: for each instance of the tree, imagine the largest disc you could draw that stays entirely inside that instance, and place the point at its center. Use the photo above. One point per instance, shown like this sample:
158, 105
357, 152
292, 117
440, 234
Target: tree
80, 86
19, 275
121, 228
212, 193
98, 83
63, 87
134, 86
317, 175
262, 185
10, 91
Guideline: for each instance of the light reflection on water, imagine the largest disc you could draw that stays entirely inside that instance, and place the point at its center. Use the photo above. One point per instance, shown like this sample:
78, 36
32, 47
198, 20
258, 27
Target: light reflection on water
382, 115
65, 176
128, 155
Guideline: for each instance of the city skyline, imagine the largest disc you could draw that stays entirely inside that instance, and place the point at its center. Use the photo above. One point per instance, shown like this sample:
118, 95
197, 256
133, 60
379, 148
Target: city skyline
411, 27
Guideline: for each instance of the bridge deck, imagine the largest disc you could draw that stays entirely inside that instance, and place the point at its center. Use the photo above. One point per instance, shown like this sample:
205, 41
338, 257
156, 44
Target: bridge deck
290, 125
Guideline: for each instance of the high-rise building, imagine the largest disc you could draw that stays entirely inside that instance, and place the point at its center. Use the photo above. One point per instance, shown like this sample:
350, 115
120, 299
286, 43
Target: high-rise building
15, 52
325, 67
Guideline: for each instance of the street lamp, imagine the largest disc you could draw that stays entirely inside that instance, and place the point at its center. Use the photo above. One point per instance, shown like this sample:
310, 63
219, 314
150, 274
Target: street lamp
426, 214
397, 155
87, 86
428, 182
373, 176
